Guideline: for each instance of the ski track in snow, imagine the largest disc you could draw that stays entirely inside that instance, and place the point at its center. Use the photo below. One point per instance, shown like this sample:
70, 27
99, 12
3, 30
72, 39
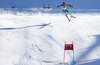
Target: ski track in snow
38, 38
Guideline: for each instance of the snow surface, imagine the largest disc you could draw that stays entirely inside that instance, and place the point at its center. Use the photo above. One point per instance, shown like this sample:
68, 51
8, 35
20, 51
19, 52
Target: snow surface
28, 38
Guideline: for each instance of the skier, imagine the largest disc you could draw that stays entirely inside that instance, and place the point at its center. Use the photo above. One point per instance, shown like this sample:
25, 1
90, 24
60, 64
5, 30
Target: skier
65, 10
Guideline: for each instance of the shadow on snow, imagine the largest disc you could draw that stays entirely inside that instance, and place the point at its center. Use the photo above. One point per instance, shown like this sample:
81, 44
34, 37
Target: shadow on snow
41, 26
96, 44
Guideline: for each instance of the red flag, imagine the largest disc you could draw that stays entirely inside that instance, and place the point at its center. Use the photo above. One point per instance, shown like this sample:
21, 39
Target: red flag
68, 46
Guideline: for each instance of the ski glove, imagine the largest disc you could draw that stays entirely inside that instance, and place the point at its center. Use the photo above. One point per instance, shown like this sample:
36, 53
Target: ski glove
71, 6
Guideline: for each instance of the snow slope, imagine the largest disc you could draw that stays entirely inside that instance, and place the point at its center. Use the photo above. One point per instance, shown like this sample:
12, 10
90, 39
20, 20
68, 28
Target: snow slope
38, 38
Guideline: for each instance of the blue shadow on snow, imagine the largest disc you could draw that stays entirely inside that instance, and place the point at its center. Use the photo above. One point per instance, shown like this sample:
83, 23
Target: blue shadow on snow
41, 26
53, 39
95, 45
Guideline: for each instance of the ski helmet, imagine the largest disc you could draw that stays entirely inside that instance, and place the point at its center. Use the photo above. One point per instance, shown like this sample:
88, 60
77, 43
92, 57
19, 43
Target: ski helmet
64, 3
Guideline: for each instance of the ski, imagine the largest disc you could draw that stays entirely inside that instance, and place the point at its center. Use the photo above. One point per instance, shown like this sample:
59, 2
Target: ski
72, 16
68, 19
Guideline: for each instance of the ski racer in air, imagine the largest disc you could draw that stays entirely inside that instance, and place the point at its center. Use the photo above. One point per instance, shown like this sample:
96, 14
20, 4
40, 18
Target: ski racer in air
65, 10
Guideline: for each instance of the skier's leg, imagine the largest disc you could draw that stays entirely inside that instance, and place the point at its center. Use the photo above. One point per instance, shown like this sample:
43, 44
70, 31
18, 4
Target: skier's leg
66, 15
65, 12
69, 13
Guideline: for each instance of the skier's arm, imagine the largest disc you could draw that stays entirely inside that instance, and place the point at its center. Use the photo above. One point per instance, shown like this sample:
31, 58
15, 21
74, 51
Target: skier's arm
69, 5
59, 6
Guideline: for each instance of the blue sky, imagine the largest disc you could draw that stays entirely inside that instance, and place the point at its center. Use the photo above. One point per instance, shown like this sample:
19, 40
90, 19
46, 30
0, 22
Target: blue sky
80, 4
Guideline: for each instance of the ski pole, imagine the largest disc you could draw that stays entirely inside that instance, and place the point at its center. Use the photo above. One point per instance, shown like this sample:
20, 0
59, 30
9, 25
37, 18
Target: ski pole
53, 9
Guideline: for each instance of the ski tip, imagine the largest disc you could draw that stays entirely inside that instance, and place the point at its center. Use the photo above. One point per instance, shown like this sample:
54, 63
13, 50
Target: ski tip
72, 16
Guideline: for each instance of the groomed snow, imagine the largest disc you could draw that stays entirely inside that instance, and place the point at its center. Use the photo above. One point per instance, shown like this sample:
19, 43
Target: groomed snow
38, 38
